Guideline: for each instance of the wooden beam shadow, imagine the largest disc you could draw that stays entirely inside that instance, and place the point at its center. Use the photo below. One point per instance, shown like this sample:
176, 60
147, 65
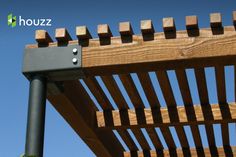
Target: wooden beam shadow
228, 151
108, 118
214, 151
186, 152
225, 111
200, 152
148, 36
105, 41
126, 38
193, 32
83, 42
217, 30
170, 34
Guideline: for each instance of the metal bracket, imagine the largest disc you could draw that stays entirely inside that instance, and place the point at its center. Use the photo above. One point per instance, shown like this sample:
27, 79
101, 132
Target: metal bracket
56, 63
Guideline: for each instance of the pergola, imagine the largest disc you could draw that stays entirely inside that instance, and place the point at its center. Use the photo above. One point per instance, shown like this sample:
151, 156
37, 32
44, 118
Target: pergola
66, 73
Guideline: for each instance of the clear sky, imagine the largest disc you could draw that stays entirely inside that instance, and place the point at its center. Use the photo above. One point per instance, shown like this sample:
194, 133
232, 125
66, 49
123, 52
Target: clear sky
60, 139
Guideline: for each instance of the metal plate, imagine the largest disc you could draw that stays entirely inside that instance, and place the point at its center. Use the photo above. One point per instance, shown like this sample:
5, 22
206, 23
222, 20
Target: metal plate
53, 61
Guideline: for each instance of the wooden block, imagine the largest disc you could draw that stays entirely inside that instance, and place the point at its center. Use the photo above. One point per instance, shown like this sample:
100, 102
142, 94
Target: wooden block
168, 24
82, 32
103, 30
215, 20
234, 17
42, 36
62, 35
147, 26
125, 28
191, 22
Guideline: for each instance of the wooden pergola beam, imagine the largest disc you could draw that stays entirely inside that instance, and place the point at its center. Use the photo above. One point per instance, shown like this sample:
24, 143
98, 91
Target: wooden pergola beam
150, 119
221, 151
184, 51
77, 109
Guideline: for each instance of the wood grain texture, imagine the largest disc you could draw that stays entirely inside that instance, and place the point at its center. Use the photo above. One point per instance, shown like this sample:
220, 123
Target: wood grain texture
215, 20
165, 117
42, 36
179, 153
161, 53
191, 22
103, 30
168, 24
125, 28
79, 111
82, 32
146, 26
188, 103
62, 35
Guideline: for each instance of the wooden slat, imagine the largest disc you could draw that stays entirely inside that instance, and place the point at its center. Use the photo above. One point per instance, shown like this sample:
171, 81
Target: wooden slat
179, 153
171, 105
115, 92
138, 104
221, 93
79, 111
103, 30
122, 105
188, 103
106, 105
204, 100
98, 93
154, 138
148, 88
165, 119
131, 90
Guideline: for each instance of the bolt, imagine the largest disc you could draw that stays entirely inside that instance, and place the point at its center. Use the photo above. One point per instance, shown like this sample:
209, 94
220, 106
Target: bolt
74, 51
75, 60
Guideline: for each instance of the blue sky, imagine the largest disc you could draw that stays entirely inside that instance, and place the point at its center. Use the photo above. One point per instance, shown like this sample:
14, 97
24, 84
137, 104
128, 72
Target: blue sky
60, 139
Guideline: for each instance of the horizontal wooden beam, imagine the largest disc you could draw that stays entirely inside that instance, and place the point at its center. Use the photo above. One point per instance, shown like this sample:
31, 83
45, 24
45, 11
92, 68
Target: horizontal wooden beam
207, 49
162, 117
220, 151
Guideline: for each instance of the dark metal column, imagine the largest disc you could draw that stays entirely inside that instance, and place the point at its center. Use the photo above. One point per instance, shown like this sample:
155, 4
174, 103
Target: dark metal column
36, 117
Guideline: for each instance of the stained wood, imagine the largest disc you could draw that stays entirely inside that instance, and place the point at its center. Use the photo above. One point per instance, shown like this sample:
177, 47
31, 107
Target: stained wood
204, 100
221, 93
168, 24
188, 103
82, 32
146, 26
191, 22
42, 36
125, 28
75, 101
62, 35
215, 20
103, 30
179, 153
171, 105
165, 117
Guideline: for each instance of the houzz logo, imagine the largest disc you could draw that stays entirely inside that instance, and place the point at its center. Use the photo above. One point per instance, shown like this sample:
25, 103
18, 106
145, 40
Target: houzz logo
12, 21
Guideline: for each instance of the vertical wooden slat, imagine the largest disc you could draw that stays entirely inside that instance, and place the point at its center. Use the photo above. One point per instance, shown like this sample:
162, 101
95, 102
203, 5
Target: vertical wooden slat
221, 93
206, 108
188, 103
148, 89
138, 104
105, 104
171, 105
122, 105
